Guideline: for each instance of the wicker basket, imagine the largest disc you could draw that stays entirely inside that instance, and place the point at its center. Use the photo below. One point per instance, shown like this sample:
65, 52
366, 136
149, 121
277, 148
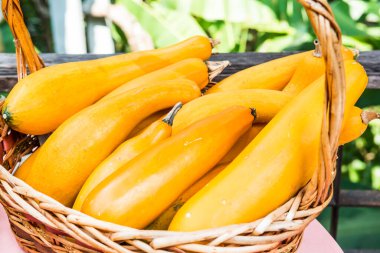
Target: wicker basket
41, 224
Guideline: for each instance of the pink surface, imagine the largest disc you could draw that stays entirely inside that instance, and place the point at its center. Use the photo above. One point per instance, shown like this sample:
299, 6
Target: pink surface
316, 239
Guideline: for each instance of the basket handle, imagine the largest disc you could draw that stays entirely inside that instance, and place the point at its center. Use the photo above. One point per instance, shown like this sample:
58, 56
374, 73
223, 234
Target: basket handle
26, 55
329, 36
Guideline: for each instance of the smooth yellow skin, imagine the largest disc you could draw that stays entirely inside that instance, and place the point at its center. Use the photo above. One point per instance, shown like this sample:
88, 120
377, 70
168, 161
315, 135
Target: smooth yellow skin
83, 141
354, 126
243, 141
273, 75
163, 221
272, 168
266, 102
147, 122
353, 129
27, 165
140, 191
356, 83
153, 134
193, 69
39, 103
310, 69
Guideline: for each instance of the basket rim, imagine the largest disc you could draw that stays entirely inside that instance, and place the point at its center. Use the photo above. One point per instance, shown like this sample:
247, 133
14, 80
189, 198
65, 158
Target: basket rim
297, 220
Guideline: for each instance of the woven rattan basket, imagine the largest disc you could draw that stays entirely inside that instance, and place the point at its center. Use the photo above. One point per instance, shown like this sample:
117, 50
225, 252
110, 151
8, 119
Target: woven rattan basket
41, 224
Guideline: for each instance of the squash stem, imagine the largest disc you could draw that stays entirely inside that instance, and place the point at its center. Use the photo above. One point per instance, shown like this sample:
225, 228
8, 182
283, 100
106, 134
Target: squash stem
254, 114
215, 68
317, 51
170, 116
214, 42
368, 116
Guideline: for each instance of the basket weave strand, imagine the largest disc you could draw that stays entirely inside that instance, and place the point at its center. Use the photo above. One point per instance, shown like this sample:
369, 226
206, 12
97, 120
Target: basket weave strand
25, 52
329, 36
42, 224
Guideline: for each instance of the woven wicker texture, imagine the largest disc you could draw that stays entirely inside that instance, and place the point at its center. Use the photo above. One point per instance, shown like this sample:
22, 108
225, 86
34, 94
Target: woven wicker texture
41, 224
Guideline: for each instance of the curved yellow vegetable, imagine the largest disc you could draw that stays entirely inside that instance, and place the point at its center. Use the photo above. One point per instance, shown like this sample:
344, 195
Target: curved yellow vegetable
274, 74
137, 193
146, 122
266, 102
153, 134
310, 68
193, 69
162, 222
356, 124
295, 72
83, 141
39, 103
27, 165
243, 141
272, 168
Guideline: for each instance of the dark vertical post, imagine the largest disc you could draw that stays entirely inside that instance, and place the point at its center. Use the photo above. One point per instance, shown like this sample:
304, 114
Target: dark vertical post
335, 200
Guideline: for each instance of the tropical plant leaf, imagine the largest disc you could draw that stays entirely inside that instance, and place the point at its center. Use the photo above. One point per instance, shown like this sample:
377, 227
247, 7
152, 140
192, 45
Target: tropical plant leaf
6, 38
376, 177
229, 35
183, 24
353, 42
285, 42
374, 9
165, 29
346, 23
357, 8
248, 13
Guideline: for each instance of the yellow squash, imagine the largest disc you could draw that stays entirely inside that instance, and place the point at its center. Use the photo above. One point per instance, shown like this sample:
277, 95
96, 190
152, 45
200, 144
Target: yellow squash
146, 122
274, 74
23, 171
83, 141
310, 68
162, 222
193, 69
272, 168
153, 134
137, 193
299, 70
243, 141
356, 123
39, 103
266, 102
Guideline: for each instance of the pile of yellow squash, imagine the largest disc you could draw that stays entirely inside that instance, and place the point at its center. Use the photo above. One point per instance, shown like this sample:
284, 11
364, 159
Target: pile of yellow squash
231, 154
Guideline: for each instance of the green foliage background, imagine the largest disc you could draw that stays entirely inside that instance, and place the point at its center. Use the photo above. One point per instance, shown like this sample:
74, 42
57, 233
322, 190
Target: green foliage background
248, 25
263, 26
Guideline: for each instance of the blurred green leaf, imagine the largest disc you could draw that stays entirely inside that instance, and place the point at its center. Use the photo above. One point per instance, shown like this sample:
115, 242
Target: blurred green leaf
295, 16
347, 24
227, 33
248, 13
353, 175
6, 38
344, 168
356, 8
286, 42
165, 26
360, 143
376, 177
120, 41
3, 95
373, 11
357, 164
